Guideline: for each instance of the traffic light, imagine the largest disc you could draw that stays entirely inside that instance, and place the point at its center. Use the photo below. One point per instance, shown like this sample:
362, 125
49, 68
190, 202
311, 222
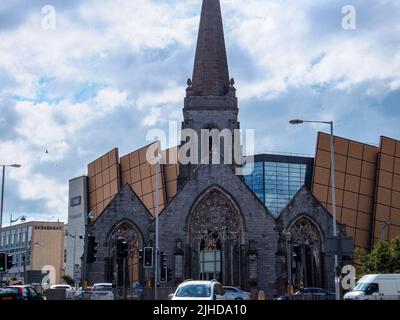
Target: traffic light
91, 249
3, 263
164, 274
10, 263
169, 275
163, 260
140, 256
148, 257
122, 248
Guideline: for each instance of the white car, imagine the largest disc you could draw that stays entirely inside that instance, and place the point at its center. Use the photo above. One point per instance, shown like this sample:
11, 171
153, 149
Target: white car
69, 292
102, 291
199, 290
233, 293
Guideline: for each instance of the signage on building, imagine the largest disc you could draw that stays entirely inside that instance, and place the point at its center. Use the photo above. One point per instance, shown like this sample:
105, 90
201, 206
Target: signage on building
76, 201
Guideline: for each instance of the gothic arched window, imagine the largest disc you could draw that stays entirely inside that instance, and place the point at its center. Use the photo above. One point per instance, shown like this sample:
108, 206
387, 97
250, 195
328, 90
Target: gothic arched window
306, 255
130, 233
215, 233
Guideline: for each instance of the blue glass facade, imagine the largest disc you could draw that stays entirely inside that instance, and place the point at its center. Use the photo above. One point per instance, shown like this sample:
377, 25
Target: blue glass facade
276, 179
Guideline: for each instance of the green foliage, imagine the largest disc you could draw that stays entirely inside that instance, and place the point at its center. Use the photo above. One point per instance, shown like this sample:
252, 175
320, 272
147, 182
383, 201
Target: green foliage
68, 280
384, 258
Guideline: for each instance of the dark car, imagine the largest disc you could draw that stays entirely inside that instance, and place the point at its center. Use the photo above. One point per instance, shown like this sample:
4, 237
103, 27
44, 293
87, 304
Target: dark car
309, 294
19, 293
316, 294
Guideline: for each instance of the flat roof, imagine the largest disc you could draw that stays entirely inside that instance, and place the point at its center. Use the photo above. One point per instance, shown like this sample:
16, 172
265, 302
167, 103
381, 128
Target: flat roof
283, 158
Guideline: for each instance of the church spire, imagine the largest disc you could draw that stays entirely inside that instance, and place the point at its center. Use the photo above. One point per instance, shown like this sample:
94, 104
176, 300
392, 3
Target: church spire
210, 74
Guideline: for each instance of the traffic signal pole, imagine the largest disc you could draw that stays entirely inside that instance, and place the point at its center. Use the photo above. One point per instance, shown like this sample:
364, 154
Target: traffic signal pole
156, 277
1, 213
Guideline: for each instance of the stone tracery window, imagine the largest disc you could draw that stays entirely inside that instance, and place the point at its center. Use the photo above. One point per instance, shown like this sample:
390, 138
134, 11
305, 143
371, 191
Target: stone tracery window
215, 231
215, 212
132, 236
306, 253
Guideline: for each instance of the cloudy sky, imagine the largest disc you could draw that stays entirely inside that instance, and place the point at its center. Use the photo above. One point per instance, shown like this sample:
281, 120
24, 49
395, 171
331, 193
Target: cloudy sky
112, 70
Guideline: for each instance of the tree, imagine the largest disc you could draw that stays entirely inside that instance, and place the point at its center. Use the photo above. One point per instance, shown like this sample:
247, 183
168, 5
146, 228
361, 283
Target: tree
384, 258
68, 280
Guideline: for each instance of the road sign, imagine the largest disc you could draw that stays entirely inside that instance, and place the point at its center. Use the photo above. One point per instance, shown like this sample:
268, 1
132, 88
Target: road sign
341, 245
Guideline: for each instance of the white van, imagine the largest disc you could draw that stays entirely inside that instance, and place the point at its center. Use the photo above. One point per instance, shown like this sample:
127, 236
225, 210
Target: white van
376, 287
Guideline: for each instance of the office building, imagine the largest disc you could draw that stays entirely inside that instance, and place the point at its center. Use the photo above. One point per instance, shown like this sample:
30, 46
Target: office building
34, 245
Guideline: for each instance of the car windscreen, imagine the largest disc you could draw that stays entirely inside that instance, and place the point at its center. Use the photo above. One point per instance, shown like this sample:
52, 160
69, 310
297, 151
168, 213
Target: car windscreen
194, 290
102, 288
8, 291
362, 286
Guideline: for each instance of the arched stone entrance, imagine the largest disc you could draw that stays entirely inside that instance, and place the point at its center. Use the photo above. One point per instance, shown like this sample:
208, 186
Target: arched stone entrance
215, 235
128, 270
305, 250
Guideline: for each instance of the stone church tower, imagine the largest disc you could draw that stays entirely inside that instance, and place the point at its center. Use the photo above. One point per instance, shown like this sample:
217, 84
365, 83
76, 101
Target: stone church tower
210, 101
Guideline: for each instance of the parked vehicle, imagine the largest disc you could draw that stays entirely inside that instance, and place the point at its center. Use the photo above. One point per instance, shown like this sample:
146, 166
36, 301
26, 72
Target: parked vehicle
22, 292
376, 287
69, 292
199, 290
233, 293
102, 291
82, 294
316, 294
309, 294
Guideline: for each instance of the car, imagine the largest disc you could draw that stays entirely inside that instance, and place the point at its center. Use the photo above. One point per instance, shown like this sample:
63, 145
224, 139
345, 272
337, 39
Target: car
199, 290
21, 292
69, 292
284, 297
309, 294
82, 293
315, 294
233, 293
102, 291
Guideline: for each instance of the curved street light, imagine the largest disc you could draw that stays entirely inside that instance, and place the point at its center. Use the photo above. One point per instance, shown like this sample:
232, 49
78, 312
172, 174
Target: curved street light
22, 219
335, 233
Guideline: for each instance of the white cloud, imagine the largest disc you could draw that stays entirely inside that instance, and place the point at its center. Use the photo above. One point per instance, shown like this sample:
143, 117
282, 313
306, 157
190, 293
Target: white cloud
54, 193
279, 36
108, 99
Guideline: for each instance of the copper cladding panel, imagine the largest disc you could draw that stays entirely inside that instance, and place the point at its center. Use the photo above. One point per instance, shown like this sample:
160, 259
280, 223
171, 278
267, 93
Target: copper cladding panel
104, 181
355, 172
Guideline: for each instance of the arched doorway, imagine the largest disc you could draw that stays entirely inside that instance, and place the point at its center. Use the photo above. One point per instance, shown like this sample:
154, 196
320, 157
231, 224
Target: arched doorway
124, 272
215, 236
305, 247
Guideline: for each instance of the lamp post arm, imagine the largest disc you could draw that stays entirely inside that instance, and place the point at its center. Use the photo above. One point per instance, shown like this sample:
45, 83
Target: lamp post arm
317, 121
15, 220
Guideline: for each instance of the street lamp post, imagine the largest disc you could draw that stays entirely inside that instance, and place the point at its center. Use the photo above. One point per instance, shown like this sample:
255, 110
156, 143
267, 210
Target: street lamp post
335, 233
157, 248
2, 204
23, 219
2, 191
88, 221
